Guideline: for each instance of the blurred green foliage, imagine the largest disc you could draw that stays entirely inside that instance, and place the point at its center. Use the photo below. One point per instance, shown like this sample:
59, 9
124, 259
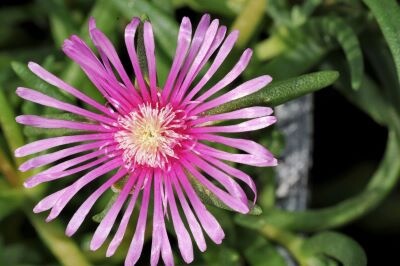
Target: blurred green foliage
289, 39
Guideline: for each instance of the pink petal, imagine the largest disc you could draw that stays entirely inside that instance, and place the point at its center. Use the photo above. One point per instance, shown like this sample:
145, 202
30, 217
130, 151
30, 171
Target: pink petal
197, 41
226, 181
242, 90
48, 202
235, 173
55, 81
79, 184
151, 58
214, 46
184, 36
219, 59
245, 113
191, 219
44, 144
158, 221
52, 157
40, 98
42, 122
250, 125
135, 249
130, 32
105, 45
84, 209
248, 146
249, 159
207, 220
234, 203
184, 241
50, 176
231, 76
104, 228
119, 235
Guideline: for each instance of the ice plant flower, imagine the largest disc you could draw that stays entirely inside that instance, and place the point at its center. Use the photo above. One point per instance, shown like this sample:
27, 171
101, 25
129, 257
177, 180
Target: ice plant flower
157, 139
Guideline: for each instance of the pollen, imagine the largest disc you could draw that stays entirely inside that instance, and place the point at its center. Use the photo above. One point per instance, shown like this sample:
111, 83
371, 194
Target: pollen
150, 136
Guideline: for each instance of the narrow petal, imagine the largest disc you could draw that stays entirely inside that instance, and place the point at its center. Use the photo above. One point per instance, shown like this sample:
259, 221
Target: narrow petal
51, 176
219, 59
55, 81
234, 203
52, 157
48, 202
130, 32
245, 113
250, 125
103, 43
84, 209
246, 145
214, 46
249, 159
158, 221
235, 173
104, 228
231, 76
42, 122
184, 240
195, 45
104, 80
136, 246
79, 184
44, 144
194, 225
40, 98
184, 36
208, 40
119, 235
151, 58
207, 220
242, 90
226, 181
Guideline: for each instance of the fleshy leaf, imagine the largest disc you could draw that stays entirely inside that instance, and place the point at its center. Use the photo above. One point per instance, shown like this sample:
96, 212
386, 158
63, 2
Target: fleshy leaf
280, 92
337, 246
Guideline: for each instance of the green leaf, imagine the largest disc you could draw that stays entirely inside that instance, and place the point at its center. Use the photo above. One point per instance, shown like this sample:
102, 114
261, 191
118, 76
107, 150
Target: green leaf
209, 198
263, 253
337, 246
387, 13
347, 38
61, 22
63, 247
228, 8
11, 199
11, 130
281, 91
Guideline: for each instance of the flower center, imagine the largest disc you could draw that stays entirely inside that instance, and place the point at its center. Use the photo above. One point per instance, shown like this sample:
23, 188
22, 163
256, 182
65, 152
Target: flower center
150, 136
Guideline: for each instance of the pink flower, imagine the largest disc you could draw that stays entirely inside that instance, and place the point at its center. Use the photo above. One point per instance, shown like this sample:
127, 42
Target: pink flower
154, 137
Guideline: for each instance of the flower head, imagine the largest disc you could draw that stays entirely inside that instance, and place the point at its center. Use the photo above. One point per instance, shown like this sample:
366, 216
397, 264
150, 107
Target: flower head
155, 139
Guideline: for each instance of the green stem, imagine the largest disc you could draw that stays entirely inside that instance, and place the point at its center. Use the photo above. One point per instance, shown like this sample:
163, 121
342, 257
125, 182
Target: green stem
248, 20
382, 182
291, 242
